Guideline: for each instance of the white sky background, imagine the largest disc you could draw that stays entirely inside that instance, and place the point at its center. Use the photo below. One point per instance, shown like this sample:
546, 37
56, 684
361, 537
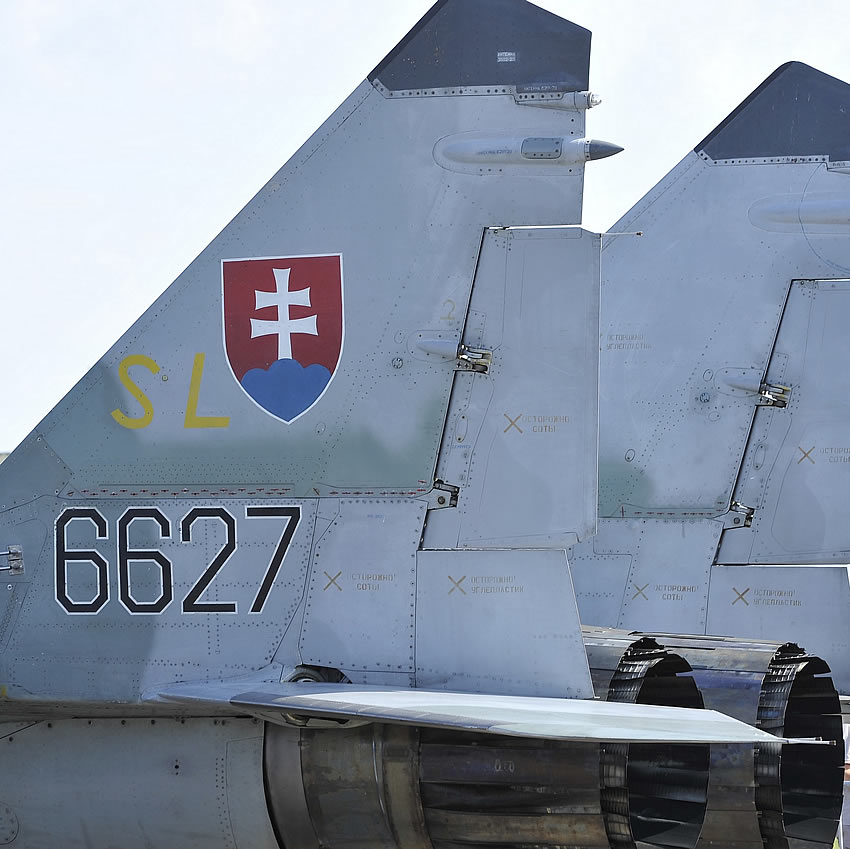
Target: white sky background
133, 132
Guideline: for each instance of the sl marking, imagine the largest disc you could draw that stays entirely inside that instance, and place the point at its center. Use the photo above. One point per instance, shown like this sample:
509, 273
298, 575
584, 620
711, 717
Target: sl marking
192, 418
806, 455
332, 581
512, 422
740, 595
457, 585
135, 422
640, 590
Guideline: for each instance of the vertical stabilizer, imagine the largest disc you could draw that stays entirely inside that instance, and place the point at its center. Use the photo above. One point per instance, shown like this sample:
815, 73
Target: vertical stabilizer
723, 409
282, 405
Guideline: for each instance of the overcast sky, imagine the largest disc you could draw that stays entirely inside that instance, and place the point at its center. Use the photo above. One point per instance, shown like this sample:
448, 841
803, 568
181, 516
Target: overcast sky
133, 132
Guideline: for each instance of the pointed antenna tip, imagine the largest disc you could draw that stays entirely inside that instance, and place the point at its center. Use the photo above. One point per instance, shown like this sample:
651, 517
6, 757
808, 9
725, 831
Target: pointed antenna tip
601, 149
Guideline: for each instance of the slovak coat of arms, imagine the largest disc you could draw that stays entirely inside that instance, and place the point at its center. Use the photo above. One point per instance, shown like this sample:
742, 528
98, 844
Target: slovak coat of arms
283, 328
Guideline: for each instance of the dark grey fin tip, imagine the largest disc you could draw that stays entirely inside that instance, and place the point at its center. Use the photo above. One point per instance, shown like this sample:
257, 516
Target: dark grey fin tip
796, 111
742, 106
402, 45
465, 44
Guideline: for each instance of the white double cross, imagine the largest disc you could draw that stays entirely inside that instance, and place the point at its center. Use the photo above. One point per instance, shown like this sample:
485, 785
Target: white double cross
284, 327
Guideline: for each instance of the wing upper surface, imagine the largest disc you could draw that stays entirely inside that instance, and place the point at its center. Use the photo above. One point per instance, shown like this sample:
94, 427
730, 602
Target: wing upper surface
516, 716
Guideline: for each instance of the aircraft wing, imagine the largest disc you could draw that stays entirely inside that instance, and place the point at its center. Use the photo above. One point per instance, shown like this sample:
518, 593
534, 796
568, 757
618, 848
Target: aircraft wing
514, 716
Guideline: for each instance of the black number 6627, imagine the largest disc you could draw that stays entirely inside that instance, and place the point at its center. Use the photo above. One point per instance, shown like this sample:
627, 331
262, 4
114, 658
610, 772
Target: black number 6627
192, 603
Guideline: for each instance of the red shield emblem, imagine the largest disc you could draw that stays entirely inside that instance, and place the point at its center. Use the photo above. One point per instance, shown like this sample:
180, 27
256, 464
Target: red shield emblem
283, 328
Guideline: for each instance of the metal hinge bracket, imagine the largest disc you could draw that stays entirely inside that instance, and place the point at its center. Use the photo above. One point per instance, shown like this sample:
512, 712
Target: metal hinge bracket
473, 359
443, 495
15, 555
773, 395
739, 516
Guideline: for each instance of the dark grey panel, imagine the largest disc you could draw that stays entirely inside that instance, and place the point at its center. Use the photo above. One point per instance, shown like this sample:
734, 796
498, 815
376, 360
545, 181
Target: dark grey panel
489, 43
796, 111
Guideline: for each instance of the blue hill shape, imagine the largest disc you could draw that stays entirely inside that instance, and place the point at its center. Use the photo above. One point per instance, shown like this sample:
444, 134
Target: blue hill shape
286, 389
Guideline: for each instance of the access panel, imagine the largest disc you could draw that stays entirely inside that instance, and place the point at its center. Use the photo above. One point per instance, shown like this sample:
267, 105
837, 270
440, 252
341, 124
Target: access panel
796, 470
521, 433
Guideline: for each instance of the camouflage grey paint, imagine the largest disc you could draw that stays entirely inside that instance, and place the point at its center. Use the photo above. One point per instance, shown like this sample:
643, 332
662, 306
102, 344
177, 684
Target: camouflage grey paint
173, 532
143, 563
795, 468
84, 783
499, 622
753, 228
764, 601
647, 570
511, 434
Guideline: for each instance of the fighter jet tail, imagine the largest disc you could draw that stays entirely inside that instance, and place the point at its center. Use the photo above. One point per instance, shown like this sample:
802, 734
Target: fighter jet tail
723, 335
722, 421
365, 346
355, 437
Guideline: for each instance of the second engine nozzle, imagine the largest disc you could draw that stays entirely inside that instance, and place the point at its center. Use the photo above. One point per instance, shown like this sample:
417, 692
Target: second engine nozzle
652, 795
769, 796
